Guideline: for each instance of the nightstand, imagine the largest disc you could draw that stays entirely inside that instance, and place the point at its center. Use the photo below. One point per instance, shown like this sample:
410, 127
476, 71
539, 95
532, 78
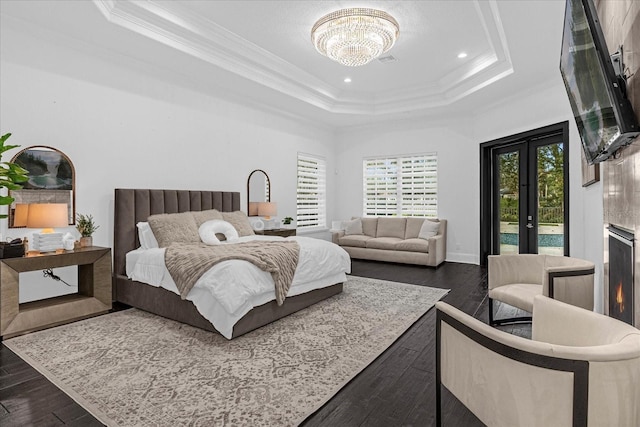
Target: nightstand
282, 232
93, 296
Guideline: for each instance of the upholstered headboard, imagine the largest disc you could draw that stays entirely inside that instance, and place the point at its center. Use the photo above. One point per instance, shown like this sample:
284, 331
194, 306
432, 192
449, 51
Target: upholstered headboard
135, 205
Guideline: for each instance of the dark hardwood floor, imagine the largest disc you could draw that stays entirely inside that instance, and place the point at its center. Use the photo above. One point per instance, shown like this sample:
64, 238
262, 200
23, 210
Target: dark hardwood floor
397, 389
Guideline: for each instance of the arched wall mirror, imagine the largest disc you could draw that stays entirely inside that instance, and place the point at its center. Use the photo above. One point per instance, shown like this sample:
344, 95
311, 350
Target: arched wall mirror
52, 179
258, 190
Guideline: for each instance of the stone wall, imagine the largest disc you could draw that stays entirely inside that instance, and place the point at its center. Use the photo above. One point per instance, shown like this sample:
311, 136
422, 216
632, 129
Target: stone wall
620, 21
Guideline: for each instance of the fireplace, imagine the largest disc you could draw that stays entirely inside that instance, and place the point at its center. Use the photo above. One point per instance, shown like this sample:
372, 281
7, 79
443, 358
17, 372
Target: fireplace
621, 258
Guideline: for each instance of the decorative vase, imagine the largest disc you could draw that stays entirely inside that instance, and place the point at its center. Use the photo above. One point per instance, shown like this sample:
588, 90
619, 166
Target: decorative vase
86, 241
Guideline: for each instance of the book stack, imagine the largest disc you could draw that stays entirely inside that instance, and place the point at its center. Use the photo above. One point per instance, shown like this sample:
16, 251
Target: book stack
46, 242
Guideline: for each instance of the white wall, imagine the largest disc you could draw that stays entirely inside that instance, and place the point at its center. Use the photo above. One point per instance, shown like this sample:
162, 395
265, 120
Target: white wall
123, 127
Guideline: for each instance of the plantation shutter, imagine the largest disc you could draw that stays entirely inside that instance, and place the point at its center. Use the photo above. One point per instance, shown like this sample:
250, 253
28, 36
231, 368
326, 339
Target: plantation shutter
311, 193
380, 187
401, 186
419, 186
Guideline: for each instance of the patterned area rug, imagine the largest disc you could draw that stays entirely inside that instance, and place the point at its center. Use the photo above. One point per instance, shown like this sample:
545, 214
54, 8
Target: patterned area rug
132, 368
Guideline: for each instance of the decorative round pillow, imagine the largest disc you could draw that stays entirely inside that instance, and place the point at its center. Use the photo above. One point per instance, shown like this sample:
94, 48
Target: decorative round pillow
257, 224
209, 229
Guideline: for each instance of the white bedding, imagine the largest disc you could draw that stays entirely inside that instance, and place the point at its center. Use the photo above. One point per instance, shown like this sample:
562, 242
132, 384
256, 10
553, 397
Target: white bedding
230, 289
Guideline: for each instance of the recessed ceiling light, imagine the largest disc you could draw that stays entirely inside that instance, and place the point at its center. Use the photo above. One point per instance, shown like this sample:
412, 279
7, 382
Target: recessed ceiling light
347, 79
462, 55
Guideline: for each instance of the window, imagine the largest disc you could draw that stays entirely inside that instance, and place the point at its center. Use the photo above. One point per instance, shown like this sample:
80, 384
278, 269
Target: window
401, 186
311, 194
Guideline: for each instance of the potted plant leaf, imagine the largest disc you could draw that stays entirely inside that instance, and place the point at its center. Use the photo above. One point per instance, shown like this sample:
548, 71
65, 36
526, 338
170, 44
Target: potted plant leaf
287, 222
11, 176
86, 227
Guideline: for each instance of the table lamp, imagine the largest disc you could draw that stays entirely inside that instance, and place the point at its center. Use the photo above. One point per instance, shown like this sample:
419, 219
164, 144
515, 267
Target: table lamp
20, 215
47, 216
267, 209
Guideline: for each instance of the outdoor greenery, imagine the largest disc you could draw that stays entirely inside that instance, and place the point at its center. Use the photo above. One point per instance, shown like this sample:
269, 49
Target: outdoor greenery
550, 184
11, 174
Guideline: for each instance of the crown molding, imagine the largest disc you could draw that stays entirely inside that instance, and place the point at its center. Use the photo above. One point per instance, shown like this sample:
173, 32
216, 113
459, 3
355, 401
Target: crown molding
175, 26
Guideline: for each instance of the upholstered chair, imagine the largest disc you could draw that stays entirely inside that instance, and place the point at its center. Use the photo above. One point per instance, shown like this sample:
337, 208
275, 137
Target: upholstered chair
516, 279
579, 369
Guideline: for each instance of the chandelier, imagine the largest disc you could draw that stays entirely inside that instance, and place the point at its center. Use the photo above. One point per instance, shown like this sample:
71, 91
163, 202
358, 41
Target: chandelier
355, 36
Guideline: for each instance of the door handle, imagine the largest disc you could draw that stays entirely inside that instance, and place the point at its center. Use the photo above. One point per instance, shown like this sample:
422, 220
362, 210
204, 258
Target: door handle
529, 225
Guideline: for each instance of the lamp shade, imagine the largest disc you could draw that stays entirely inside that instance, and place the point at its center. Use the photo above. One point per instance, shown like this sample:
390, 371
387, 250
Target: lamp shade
253, 208
267, 209
47, 215
20, 215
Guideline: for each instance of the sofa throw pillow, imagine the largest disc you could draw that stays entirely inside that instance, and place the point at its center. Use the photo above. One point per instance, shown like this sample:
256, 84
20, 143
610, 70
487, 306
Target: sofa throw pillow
178, 227
352, 227
428, 229
209, 229
240, 221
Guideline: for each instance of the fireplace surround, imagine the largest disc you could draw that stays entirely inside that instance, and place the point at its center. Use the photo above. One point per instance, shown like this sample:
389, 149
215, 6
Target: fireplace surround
621, 272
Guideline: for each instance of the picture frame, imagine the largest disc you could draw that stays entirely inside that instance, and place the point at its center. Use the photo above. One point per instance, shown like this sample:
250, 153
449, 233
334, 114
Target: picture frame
590, 173
51, 180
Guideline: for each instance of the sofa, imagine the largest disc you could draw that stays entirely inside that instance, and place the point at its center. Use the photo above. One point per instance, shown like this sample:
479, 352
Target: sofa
395, 239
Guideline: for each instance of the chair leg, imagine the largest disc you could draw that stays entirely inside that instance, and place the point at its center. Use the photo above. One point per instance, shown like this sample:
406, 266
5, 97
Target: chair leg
497, 322
491, 321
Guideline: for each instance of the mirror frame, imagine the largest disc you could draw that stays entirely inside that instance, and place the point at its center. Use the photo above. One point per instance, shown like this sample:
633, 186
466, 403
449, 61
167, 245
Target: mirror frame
73, 184
267, 196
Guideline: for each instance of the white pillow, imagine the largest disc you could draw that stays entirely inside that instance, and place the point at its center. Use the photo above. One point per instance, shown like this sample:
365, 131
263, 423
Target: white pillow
428, 229
209, 229
146, 236
352, 227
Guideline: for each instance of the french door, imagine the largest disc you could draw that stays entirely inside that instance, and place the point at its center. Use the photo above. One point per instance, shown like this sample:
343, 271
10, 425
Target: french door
524, 193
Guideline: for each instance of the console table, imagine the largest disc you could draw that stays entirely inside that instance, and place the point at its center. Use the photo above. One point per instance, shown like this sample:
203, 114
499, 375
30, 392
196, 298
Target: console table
282, 232
93, 296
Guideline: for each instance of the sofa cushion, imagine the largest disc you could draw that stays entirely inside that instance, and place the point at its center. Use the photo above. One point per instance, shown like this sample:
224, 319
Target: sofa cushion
413, 228
413, 245
352, 227
383, 243
429, 229
369, 226
357, 240
391, 227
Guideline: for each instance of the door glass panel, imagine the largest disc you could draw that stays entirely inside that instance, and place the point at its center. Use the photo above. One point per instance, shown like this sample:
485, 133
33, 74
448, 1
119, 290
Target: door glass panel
508, 168
550, 195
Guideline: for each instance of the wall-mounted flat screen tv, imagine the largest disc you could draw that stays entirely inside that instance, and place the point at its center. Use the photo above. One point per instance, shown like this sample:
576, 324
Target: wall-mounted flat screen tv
605, 117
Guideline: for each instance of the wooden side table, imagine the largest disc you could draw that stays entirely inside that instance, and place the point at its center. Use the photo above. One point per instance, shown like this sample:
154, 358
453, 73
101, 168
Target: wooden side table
282, 232
93, 296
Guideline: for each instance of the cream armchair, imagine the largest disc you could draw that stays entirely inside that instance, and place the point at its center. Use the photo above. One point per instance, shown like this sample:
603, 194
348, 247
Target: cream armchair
517, 279
580, 368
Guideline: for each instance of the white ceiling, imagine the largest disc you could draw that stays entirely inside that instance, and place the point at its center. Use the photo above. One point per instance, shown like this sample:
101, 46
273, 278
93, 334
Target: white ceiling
260, 51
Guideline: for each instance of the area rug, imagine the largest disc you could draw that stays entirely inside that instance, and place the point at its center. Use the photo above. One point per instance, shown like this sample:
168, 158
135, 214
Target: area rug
132, 368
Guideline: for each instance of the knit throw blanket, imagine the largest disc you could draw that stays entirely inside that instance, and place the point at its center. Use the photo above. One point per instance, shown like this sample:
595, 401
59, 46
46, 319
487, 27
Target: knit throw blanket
188, 262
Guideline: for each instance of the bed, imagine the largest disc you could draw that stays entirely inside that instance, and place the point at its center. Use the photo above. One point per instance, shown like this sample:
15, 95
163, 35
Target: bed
136, 205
